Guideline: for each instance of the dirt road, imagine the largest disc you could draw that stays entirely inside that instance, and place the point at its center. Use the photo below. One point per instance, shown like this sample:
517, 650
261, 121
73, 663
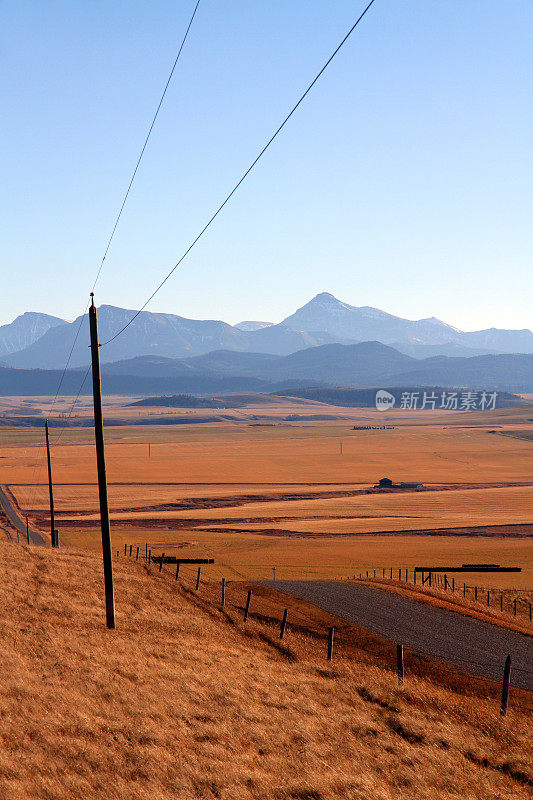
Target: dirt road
475, 647
17, 521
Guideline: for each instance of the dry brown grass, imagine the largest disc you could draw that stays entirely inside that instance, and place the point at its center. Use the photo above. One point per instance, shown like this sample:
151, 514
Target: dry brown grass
181, 702
465, 603
243, 555
284, 500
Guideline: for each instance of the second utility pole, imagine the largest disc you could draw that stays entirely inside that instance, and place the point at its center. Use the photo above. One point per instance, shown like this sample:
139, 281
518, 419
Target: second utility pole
100, 462
50, 487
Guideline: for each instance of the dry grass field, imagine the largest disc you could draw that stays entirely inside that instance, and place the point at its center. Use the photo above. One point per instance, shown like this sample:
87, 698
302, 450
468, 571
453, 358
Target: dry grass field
294, 494
184, 701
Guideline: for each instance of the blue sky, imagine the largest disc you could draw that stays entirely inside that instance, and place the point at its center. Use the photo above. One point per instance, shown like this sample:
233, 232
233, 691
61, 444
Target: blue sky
404, 181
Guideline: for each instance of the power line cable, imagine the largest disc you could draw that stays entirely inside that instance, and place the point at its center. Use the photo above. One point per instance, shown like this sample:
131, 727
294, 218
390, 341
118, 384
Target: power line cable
64, 427
126, 195
146, 142
115, 226
243, 177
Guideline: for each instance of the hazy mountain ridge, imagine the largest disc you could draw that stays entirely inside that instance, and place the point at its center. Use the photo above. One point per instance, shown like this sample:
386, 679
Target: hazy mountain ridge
324, 312
25, 330
164, 335
356, 365
323, 320
359, 365
253, 325
370, 364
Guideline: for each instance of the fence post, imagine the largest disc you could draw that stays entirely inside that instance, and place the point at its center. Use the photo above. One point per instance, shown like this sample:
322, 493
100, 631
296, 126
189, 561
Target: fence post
146, 551
131, 549
27, 529
515, 606
475, 592
283, 623
137, 555
383, 571
453, 584
331, 633
177, 570
125, 549
391, 573
399, 663
161, 562
414, 576
488, 597
501, 602
464, 589
223, 599
505, 686
247, 606
149, 557
198, 578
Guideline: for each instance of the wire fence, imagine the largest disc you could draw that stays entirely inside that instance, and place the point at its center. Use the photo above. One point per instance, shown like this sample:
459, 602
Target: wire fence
266, 611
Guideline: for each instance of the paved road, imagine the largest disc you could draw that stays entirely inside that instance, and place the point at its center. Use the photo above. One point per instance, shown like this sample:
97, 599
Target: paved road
17, 521
476, 647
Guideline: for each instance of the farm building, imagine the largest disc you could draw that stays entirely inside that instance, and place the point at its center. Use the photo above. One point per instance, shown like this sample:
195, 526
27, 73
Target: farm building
387, 483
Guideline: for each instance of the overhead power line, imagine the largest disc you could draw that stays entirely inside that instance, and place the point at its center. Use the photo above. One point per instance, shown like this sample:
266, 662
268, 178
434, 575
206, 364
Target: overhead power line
114, 229
145, 143
243, 177
126, 195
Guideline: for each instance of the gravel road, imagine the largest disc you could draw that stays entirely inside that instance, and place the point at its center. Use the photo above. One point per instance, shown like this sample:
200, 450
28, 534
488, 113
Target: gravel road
17, 521
475, 647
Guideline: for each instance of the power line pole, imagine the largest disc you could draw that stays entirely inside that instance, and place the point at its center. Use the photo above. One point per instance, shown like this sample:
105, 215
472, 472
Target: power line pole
50, 486
100, 462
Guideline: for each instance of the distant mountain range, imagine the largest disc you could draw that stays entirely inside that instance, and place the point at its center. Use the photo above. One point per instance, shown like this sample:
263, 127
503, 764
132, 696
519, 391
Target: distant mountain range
326, 343
340, 320
25, 330
366, 364
156, 334
38, 341
355, 365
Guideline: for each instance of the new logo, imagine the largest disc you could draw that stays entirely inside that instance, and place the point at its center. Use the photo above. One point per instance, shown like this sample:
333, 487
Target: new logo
384, 400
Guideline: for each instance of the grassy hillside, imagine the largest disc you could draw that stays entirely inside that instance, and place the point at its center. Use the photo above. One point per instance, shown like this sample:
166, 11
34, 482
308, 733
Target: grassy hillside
182, 702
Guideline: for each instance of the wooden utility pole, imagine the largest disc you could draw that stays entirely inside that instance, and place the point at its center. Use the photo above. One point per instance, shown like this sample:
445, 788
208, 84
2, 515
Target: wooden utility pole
100, 462
50, 486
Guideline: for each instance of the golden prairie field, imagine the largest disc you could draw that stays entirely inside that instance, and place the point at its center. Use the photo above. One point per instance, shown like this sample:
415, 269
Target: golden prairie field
183, 700
294, 494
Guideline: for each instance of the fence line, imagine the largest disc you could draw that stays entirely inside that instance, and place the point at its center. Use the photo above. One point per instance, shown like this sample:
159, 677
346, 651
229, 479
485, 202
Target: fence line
330, 632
